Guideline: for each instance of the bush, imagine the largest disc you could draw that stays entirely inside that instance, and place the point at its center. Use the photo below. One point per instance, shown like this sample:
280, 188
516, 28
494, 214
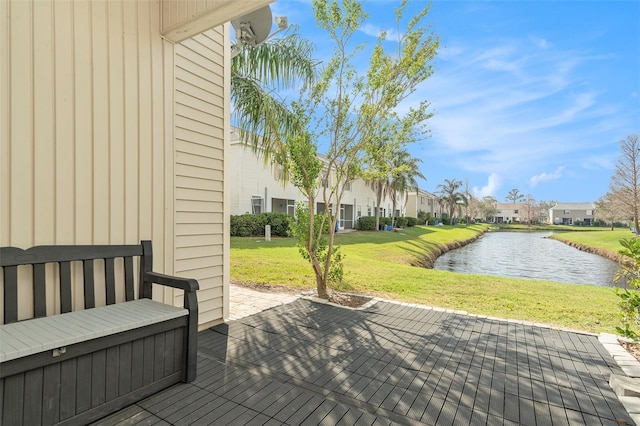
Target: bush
252, 225
401, 222
446, 221
366, 223
280, 223
629, 302
411, 221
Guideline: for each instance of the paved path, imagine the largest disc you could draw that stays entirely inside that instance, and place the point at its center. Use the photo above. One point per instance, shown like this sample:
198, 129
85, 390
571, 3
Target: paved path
244, 301
310, 363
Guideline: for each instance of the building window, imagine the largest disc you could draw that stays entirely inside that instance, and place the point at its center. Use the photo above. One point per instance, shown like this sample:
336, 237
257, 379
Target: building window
256, 205
515, 211
368, 210
359, 211
347, 186
567, 212
589, 212
279, 172
325, 179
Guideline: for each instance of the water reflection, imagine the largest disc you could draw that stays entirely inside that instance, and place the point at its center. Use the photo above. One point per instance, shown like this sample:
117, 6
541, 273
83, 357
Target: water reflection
529, 255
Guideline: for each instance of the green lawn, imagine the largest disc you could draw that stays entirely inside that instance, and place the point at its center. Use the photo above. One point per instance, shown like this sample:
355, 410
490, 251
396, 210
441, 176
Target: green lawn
599, 238
380, 263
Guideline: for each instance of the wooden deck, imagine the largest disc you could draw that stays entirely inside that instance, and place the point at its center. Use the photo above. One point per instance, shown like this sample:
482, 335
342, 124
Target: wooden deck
310, 363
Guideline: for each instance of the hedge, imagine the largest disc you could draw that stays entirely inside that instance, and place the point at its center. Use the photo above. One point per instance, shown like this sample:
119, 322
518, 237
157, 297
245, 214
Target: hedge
252, 225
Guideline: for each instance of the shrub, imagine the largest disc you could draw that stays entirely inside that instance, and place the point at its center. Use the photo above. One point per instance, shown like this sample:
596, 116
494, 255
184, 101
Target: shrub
252, 225
629, 303
280, 223
446, 221
411, 221
401, 222
366, 223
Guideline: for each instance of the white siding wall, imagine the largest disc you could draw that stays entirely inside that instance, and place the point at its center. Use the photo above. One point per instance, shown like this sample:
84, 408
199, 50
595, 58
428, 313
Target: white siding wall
200, 110
249, 176
110, 134
86, 142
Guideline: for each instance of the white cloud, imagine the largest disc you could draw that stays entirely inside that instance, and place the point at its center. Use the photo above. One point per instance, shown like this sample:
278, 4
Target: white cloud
375, 31
546, 177
494, 182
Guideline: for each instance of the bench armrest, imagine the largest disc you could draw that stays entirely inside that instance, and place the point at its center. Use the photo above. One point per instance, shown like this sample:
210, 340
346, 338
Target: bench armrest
186, 284
189, 286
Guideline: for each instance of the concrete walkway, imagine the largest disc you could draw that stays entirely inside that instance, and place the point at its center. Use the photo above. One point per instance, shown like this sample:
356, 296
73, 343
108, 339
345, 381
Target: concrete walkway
304, 362
244, 301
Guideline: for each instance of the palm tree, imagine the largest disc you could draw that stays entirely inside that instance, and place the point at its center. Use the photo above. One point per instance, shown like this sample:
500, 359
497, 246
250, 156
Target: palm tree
450, 195
405, 170
258, 73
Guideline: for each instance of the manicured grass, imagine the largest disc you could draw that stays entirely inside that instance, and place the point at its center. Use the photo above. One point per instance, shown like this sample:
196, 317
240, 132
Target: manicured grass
380, 263
602, 238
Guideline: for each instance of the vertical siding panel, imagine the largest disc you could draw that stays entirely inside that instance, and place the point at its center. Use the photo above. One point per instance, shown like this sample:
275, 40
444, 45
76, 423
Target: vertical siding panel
131, 122
169, 154
157, 137
144, 134
226, 263
101, 131
116, 124
83, 123
21, 101
44, 124
44, 137
64, 116
5, 128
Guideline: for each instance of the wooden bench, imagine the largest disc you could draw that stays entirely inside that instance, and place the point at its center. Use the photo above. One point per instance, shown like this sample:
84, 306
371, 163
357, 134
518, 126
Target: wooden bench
77, 366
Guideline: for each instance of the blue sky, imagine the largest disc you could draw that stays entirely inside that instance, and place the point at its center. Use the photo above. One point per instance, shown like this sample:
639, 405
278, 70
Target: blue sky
533, 95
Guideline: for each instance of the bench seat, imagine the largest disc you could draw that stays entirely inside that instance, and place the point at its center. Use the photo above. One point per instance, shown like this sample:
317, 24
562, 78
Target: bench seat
21, 339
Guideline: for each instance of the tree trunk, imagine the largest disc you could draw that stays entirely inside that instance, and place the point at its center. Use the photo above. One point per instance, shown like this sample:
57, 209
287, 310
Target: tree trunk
377, 212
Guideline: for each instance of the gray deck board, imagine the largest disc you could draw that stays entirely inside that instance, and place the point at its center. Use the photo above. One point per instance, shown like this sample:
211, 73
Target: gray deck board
306, 363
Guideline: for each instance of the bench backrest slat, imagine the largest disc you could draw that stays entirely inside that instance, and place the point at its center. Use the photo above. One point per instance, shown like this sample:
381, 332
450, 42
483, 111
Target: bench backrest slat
39, 291
110, 281
11, 258
89, 292
10, 294
65, 287
129, 286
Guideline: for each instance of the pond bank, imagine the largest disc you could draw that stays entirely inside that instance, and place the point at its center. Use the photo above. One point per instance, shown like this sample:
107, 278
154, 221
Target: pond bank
608, 254
428, 259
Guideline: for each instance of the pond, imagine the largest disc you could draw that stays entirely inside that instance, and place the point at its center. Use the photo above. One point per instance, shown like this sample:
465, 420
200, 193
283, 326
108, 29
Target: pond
529, 255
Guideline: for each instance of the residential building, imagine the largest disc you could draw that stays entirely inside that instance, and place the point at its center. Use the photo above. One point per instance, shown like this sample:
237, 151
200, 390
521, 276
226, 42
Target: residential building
508, 213
257, 186
425, 201
572, 214
114, 127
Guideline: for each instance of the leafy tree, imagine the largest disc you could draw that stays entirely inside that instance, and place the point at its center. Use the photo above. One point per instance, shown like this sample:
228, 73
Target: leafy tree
488, 207
607, 209
450, 196
530, 213
625, 183
347, 105
474, 207
258, 74
515, 195
543, 209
